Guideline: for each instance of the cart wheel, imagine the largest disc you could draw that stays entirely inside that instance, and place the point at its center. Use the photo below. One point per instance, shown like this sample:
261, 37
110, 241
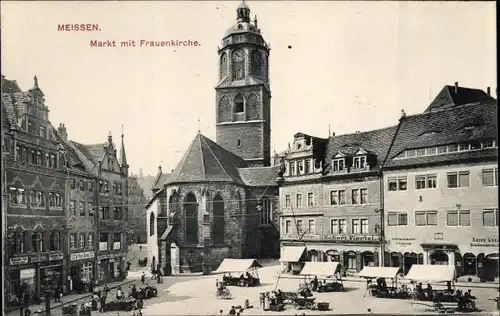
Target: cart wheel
308, 305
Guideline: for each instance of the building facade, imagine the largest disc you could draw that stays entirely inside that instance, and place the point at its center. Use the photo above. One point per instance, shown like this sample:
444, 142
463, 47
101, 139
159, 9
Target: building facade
35, 180
220, 200
330, 199
137, 230
441, 186
111, 206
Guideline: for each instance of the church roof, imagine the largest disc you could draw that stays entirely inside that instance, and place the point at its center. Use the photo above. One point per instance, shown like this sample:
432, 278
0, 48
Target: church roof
242, 27
451, 96
205, 161
259, 176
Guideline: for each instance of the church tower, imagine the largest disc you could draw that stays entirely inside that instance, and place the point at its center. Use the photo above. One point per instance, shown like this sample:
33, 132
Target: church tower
243, 107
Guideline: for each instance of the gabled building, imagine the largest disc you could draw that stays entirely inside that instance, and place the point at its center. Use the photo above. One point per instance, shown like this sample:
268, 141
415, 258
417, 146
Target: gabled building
220, 200
137, 230
330, 197
111, 172
35, 180
441, 185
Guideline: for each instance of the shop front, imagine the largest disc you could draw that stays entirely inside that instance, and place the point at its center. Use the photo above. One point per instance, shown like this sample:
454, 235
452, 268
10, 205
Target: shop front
476, 258
111, 266
81, 270
353, 252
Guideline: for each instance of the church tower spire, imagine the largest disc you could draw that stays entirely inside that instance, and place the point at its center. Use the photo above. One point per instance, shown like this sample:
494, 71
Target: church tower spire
123, 156
243, 114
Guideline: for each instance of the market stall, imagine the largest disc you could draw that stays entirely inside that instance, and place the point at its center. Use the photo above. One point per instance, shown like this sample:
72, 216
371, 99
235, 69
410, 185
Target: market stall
240, 272
292, 257
380, 289
323, 276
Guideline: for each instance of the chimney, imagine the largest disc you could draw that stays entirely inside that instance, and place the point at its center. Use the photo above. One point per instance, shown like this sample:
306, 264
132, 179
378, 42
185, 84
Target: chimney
255, 22
159, 168
110, 137
403, 114
488, 90
456, 87
62, 132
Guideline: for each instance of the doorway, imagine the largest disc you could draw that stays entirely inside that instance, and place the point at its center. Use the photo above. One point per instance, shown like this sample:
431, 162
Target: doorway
439, 257
470, 264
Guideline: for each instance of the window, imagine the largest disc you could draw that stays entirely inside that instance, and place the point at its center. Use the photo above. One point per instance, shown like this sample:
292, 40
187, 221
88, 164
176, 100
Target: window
488, 144
342, 226
355, 196
359, 162
426, 181
431, 150
152, 224
452, 148
338, 164
355, 226
464, 147
288, 226
287, 201
334, 226
91, 186
341, 197
37, 199
20, 242
301, 167
490, 177
397, 184
420, 152
82, 241
117, 213
72, 240
104, 212
72, 183
82, 208
86, 271
426, 218
266, 211
17, 196
72, 207
334, 197
364, 196
91, 208
308, 166
82, 185
292, 168
55, 241
459, 179
42, 131
410, 153
238, 100
490, 217
299, 200
310, 199
351, 261
397, 219
364, 226
90, 241
37, 242
458, 218
31, 129
311, 226
299, 226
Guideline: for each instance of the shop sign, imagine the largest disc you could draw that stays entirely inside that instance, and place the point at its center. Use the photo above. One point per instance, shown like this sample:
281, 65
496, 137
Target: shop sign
39, 258
484, 242
403, 241
103, 257
56, 256
27, 274
301, 237
121, 254
81, 255
18, 260
352, 238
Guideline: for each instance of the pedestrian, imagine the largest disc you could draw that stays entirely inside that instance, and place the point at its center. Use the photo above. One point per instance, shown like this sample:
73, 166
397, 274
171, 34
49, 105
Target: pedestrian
57, 294
103, 302
106, 289
143, 277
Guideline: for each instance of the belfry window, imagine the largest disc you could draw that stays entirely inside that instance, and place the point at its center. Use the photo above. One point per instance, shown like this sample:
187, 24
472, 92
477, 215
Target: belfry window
238, 104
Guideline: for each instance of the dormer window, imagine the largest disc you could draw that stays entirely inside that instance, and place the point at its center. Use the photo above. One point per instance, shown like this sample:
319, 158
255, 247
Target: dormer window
359, 162
338, 164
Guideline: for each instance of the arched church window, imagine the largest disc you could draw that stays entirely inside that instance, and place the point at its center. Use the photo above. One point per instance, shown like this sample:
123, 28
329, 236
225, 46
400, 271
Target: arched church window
151, 224
191, 214
257, 63
265, 210
238, 104
239, 57
218, 224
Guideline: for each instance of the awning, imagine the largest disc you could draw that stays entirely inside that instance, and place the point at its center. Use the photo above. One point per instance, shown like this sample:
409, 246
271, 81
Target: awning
237, 265
292, 253
431, 273
324, 269
379, 272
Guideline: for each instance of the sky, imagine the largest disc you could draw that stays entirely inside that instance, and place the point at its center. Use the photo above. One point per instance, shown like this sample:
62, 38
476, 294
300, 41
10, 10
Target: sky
352, 66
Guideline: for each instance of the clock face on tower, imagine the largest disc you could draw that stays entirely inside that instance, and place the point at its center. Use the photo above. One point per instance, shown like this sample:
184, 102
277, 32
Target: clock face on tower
239, 55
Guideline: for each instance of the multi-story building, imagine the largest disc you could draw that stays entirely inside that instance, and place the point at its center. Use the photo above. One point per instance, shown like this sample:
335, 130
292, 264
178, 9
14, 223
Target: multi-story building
35, 180
441, 185
220, 200
80, 216
137, 230
330, 198
111, 205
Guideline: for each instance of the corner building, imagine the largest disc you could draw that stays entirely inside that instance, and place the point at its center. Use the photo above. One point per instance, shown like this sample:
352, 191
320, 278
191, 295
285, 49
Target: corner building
441, 186
220, 200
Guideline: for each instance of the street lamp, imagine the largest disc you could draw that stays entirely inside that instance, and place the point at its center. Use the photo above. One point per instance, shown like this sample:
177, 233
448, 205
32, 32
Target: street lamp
380, 228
